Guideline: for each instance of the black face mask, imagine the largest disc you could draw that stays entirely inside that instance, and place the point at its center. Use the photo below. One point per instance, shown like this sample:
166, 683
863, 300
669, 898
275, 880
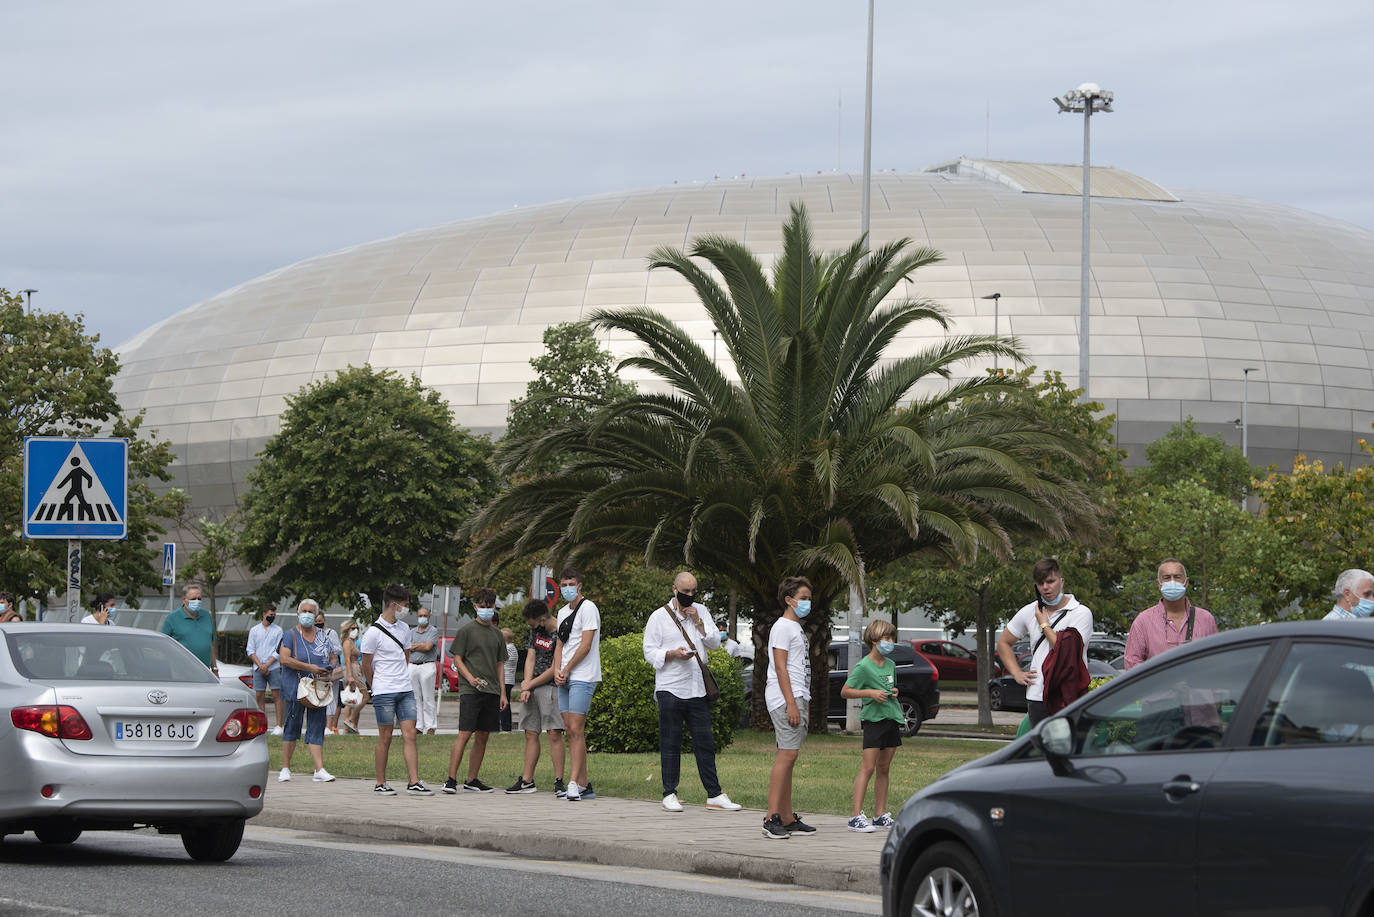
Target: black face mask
685, 600
269, 619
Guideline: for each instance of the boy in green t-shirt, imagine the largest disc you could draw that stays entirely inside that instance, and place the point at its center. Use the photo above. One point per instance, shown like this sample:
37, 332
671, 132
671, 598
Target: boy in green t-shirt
874, 679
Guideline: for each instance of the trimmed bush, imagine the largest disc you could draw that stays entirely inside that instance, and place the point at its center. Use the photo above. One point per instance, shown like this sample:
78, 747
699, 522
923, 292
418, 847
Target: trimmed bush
624, 715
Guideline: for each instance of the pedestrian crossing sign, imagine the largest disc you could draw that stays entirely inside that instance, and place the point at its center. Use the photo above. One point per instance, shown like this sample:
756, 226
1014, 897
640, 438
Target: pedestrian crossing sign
76, 488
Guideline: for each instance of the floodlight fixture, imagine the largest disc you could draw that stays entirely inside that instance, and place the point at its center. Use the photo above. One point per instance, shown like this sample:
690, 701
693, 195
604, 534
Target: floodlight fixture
996, 301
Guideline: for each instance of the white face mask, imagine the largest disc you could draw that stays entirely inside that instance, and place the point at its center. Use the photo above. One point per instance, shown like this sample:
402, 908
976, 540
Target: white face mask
353, 634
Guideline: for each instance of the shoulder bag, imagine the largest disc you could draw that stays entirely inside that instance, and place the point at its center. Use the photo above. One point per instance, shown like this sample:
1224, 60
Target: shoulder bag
311, 691
712, 689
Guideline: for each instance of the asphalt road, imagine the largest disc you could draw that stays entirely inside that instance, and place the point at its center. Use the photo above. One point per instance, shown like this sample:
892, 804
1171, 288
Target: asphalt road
142, 874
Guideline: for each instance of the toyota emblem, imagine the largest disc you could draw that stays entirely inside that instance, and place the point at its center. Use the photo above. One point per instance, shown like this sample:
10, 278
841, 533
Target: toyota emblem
157, 697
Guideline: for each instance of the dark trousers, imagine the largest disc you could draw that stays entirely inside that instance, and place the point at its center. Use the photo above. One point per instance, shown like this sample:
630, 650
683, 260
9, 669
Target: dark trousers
1036, 710
505, 714
673, 713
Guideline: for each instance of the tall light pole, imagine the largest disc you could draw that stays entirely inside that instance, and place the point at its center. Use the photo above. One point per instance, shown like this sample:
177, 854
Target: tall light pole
996, 301
1087, 99
28, 299
1245, 410
868, 129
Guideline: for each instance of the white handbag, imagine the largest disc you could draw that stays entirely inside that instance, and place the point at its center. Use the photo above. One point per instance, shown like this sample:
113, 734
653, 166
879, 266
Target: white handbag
351, 696
315, 692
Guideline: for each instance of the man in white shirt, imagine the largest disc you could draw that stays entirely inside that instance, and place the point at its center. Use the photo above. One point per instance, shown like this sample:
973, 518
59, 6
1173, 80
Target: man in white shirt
677, 638
577, 672
384, 648
264, 649
1052, 612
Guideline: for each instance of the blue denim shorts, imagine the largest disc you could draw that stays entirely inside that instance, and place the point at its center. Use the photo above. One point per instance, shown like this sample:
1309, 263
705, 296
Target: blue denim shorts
313, 717
261, 681
576, 697
389, 708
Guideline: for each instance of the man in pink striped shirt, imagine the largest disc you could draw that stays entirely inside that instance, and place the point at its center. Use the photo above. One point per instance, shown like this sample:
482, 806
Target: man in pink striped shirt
1173, 622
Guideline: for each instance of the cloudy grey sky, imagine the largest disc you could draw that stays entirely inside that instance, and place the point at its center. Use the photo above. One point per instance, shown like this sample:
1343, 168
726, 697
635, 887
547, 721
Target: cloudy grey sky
159, 152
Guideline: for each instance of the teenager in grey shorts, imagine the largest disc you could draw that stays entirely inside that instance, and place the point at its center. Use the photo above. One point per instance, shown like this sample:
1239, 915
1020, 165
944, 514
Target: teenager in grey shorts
539, 700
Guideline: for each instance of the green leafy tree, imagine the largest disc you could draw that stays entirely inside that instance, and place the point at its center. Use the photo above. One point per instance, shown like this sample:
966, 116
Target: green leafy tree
367, 483
214, 550
58, 381
1184, 452
825, 458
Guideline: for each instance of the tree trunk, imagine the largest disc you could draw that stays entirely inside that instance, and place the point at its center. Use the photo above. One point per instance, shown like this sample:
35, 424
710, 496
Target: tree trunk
983, 629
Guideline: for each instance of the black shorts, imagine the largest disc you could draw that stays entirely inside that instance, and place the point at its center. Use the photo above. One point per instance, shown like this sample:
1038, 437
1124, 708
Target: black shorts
882, 734
479, 712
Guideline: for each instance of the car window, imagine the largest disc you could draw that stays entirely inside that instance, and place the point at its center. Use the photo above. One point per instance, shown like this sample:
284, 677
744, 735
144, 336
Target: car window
958, 652
837, 659
1184, 706
933, 649
1103, 653
99, 655
1324, 693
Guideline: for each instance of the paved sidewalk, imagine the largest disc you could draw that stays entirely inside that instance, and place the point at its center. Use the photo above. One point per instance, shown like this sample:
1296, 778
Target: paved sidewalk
616, 832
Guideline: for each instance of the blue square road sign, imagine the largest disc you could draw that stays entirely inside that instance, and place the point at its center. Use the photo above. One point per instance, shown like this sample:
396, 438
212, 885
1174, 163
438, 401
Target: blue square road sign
76, 488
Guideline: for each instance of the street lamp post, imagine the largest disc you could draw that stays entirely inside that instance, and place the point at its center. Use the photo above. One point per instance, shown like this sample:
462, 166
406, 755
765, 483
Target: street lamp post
996, 301
28, 299
1245, 410
868, 130
1087, 99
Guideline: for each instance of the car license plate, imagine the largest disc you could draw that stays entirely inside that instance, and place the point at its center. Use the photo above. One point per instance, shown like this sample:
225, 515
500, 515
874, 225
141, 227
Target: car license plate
155, 731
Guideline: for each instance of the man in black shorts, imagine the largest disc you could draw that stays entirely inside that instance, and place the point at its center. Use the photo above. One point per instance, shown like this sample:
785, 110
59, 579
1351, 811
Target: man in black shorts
479, 655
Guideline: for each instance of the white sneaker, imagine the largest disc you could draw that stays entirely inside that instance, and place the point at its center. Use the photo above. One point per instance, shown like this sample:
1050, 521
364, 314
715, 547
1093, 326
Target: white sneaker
722, 803
671, 804
285, 775
323, 776
574, 792
276, 730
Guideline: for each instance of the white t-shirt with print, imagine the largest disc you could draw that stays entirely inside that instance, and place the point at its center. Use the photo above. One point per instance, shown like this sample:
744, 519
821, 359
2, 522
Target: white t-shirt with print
1023, 626
788, 635
390, 665
588, 618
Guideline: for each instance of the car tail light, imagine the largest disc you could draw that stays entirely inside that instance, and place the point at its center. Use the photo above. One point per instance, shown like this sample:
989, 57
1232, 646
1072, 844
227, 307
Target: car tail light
247, 680
243, 725
255, 792
59, 722
935, 669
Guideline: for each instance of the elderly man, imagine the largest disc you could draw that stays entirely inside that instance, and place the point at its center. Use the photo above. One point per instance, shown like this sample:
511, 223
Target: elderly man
1354, 596
264, 651
193, 626
424, 659
1172, 622
677, 638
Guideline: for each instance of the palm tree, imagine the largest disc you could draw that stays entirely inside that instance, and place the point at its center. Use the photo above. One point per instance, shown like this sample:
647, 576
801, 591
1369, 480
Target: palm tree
824, 459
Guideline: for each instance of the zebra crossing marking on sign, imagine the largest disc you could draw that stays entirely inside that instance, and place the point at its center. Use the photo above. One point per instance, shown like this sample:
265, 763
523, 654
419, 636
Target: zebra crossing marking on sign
75, 488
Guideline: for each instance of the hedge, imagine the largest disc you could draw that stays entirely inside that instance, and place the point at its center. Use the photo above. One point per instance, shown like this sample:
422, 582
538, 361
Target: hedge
624, 715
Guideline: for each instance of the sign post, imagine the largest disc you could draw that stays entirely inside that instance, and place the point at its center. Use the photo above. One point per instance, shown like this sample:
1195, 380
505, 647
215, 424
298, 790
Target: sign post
169, 572
76, 489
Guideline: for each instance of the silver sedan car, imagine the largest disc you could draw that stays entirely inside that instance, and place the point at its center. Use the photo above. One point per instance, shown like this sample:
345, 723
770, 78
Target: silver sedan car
112, 728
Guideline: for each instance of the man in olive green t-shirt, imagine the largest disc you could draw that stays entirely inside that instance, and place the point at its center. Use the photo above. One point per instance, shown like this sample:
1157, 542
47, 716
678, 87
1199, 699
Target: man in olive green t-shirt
479, 655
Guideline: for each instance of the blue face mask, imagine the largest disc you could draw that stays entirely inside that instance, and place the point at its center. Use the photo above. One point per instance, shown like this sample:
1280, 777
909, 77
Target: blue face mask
569, 593
193, 605
307, 618
1363, 608
422, 620
886, 647
724, 636
1053, 601
803, 607
486, 614
1172, 591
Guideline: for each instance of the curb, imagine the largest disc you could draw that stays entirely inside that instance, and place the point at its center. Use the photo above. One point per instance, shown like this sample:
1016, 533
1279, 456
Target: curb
535, 846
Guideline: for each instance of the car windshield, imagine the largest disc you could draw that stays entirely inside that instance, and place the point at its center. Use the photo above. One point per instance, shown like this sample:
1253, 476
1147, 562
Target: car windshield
97, 654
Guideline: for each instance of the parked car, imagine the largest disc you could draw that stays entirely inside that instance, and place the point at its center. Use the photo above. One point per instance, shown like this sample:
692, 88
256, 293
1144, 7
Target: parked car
918, 686
953, 661
1219, 778
231, 674
1004, 693
113, 728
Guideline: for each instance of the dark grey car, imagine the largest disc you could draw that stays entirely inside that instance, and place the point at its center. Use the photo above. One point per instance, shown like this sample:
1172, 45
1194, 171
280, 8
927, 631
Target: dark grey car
1230, 776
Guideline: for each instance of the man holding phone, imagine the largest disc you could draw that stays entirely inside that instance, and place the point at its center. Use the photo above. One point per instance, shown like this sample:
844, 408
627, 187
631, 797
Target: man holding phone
1041, 622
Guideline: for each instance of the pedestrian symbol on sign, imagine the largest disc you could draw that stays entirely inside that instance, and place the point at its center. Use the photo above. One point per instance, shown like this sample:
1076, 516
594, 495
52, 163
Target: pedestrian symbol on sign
75, 495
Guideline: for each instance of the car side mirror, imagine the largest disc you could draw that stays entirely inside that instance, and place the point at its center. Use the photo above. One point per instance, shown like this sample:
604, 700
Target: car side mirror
1055, 741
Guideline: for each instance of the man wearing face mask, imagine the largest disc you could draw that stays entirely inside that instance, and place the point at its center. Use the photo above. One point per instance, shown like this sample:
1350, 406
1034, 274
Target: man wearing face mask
424, 654
1354, 596
8, 610
677, 638
193, 626
1173, 622
102, 610
1052, 613
479, 655
264, 651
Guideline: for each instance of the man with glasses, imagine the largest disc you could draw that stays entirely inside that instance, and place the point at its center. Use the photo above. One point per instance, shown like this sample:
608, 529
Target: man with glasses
677, 638
1172, 622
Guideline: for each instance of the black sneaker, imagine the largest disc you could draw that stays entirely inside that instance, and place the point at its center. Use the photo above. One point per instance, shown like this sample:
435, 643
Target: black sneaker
521, 785
560, 789
797, 826
418, 788
450, 786
774, 830
383, 789
477, 786
588, 792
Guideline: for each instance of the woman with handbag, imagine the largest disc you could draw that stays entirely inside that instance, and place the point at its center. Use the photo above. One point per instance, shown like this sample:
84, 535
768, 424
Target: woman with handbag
307, 681
354, 696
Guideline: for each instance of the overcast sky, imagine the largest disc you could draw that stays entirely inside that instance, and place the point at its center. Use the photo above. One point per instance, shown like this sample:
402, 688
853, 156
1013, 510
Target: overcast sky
158, 153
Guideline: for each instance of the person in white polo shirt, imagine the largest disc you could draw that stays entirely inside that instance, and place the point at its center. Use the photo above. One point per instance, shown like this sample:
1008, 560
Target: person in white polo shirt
677, 638
385, 667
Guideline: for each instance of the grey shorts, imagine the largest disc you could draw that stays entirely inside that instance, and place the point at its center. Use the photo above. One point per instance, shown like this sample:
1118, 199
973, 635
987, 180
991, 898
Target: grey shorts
789, 736
540, 713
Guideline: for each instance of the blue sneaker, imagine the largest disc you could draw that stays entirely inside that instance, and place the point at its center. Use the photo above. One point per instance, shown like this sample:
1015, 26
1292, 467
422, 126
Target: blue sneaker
884, 820
588, 792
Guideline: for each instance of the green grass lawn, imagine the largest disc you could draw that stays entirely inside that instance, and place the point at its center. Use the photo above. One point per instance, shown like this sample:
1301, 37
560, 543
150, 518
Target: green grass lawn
824, 778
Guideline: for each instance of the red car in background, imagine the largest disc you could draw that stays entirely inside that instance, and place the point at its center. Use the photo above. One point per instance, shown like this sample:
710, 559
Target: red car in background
955, 662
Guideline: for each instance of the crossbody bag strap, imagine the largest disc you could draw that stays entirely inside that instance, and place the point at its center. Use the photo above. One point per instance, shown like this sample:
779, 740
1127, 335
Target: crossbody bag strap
393, 639
682, 630
1057, 619
1192, 613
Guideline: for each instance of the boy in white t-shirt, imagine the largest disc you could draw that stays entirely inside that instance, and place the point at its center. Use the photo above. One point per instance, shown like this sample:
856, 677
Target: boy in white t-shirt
577, 672
787, 695
386, 668
1041, 622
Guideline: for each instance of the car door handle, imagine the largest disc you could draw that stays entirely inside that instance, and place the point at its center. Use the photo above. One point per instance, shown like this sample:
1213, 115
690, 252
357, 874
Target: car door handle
1181, 786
